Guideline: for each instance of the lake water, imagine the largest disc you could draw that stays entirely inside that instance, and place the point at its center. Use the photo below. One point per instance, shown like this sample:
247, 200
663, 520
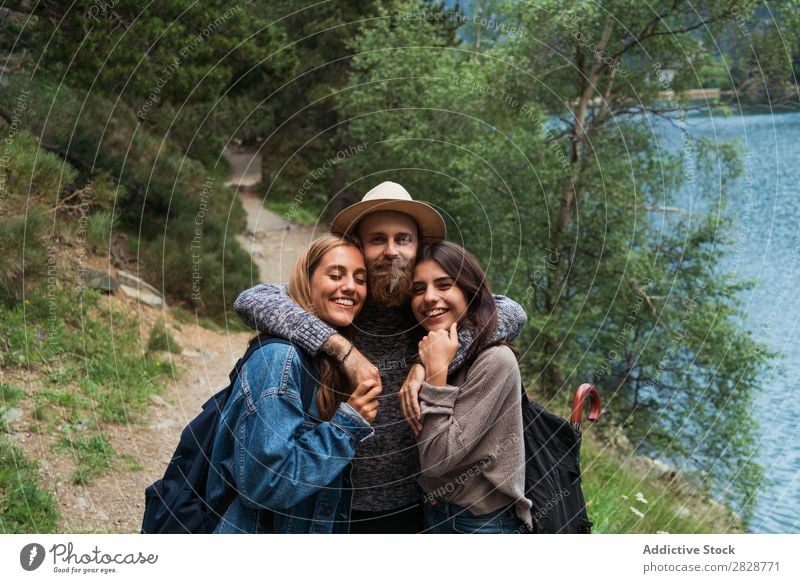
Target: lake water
766, 204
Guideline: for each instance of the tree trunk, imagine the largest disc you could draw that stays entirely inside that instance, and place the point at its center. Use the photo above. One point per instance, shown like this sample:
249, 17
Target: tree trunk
552, 373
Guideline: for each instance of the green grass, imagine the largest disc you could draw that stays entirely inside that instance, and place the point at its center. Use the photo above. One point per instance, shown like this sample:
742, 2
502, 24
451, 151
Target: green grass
612, 491
92, 369
91, 355
9, 396
130, 463
25, 506
300, 214
64, 397
94, 456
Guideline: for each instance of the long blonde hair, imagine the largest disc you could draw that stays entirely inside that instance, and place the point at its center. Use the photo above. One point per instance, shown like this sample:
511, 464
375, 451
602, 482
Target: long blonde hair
333, 385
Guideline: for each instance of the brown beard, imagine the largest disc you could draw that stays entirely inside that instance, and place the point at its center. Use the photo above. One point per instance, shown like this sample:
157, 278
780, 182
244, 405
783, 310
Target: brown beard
389, 282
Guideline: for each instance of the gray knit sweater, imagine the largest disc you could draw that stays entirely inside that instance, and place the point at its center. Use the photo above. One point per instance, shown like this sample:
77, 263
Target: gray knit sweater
471, 447
386, 468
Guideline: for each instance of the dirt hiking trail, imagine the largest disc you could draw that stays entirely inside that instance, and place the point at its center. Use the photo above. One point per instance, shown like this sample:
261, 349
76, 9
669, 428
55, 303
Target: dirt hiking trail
114, 502
272, 241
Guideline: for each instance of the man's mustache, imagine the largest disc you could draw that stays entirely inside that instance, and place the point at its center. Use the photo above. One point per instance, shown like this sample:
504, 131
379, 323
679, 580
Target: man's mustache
392, 265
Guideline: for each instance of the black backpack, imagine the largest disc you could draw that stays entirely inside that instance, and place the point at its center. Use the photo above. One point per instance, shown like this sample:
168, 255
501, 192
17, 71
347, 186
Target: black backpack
552, 465
176, 504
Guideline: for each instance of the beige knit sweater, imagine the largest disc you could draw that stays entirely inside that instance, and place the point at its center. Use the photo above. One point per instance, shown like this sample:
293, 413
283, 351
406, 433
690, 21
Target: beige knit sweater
471, 448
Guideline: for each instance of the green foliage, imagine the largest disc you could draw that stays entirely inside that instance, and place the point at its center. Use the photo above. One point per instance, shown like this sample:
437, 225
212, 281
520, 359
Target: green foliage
304, 118
189, 71
761, 54
555, 196
25, 507
100, 193
178, 208
307, 125
715, 74
30, 180
483, 23
180, 51
161, 339
34, 183
32, 173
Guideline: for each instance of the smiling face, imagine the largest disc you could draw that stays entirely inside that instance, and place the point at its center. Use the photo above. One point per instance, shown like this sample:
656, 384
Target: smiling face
390, 246
436, 300
339, 285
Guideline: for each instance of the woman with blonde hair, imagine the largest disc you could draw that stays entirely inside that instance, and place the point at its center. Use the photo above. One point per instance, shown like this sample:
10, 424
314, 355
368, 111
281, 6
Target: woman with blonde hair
291, 426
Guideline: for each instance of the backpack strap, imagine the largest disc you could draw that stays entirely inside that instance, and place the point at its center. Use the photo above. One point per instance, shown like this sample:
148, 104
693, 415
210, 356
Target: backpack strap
306, 393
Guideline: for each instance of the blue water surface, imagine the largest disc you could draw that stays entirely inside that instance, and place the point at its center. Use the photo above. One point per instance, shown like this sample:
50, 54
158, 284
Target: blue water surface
765, 203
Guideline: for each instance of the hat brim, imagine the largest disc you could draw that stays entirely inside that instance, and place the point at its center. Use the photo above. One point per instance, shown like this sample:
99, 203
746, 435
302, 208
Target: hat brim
429, 222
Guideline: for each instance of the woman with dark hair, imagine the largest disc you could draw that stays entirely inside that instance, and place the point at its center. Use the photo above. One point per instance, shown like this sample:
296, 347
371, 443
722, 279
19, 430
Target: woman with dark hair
292, 423
471, 449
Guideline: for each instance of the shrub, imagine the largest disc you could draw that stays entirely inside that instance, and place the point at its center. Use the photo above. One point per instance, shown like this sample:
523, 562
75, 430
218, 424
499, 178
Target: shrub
98, 229
32, 173
161, 339
22, 254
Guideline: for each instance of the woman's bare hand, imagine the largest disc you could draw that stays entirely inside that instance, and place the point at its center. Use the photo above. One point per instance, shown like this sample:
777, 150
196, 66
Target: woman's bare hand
436, 351
364, 399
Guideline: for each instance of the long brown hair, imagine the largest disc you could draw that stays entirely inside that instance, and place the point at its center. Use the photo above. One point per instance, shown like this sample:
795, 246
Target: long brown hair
470, 278
333, 385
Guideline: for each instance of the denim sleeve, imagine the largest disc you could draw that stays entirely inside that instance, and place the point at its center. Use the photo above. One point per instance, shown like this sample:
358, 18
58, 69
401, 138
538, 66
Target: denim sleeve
511, 318
280, 460
267, 308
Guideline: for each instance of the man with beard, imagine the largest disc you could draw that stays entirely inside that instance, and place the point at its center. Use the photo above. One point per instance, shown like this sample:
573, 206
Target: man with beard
390, 225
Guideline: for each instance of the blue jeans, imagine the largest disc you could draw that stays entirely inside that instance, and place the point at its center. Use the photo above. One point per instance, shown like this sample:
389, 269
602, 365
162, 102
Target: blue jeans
449, 518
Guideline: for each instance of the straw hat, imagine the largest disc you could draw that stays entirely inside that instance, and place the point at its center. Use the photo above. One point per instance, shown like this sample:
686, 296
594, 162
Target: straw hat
390, 196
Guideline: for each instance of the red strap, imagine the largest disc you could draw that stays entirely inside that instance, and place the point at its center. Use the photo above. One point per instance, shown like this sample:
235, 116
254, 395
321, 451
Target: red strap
585, 390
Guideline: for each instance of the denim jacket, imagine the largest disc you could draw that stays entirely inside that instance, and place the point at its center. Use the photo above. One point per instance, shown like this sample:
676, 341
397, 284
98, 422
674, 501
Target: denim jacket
288, 468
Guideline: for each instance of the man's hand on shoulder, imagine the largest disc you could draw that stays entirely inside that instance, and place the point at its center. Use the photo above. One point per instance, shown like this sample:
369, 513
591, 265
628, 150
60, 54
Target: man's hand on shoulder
355, 366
